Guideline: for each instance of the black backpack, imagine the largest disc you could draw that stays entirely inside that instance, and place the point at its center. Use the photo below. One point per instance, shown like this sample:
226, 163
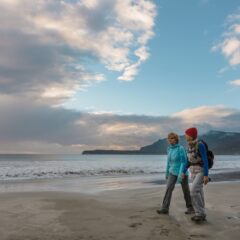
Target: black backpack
210, 154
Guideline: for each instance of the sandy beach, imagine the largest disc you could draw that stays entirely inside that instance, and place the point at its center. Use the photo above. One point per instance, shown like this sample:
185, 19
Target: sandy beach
117, 214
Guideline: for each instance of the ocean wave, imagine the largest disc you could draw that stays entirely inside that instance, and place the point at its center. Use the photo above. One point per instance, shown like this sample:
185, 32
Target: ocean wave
86, 173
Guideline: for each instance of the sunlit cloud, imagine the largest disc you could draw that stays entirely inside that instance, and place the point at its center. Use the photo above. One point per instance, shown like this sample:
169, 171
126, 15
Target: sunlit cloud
53, 45
128, 129
229, 46
211, 115
40, 128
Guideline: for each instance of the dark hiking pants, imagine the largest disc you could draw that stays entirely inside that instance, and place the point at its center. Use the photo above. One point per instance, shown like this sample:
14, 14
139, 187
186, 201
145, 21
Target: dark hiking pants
171, 181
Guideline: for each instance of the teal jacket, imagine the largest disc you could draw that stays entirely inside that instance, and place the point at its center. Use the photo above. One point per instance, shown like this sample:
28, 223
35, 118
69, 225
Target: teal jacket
176, 161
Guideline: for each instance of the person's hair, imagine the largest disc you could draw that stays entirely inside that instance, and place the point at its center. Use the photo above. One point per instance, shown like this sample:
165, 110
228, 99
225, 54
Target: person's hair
174, 135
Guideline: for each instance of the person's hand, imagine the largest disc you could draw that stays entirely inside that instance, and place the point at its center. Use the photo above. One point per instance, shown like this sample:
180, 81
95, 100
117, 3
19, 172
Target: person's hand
205, 180
179, 179
183, 176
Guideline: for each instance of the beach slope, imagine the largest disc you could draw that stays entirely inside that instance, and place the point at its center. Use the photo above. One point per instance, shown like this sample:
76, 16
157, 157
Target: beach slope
118, 214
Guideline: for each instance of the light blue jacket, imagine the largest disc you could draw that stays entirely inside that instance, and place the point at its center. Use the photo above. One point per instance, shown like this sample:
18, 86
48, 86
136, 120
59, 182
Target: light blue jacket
176, 161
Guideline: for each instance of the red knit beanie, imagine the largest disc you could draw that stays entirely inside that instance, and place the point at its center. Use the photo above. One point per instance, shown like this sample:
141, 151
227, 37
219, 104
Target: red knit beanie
192, 132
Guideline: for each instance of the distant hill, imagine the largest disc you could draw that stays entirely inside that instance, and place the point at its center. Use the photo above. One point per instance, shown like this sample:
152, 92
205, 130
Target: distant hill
221, 143
99, 151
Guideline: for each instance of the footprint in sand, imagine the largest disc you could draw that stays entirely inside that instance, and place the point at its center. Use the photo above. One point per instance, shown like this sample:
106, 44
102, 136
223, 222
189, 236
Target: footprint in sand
134, 225
160, 230
198, 236
233, 218
234, 206
164, 232
153, 218
134, 217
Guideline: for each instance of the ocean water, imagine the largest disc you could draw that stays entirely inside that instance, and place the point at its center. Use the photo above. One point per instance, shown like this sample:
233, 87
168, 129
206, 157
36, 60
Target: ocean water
29, 167
89, 174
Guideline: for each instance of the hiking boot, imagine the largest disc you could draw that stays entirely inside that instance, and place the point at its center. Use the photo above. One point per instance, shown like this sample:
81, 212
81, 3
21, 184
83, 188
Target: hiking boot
162, 211
198, 218
190, 211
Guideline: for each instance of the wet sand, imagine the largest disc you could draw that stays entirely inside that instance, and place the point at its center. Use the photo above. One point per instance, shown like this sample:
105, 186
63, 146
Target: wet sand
118, 214
214, 177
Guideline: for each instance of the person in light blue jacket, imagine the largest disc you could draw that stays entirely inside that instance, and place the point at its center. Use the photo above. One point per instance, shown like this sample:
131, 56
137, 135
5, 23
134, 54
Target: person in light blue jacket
176, 164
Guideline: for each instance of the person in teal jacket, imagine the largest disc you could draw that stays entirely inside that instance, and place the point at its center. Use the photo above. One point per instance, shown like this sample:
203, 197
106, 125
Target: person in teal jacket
176, 164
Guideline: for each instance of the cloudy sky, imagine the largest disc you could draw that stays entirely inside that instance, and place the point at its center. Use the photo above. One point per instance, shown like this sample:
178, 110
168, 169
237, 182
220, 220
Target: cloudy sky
115, 74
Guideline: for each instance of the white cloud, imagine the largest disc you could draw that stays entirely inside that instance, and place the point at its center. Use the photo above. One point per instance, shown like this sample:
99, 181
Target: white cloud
58, 92
130, 72
137, 15
235, 83
142, 53
53, 45
230, 44
90, 3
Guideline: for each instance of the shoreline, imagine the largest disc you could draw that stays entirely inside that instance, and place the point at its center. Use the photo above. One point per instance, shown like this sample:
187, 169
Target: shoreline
98, 184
